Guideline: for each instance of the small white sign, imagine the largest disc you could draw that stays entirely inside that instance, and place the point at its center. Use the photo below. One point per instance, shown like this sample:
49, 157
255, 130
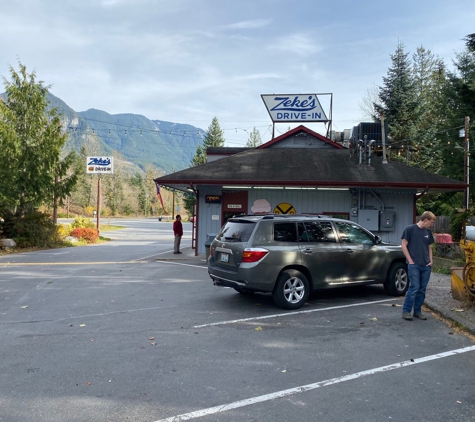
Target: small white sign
99, 165
215, 217
234, 206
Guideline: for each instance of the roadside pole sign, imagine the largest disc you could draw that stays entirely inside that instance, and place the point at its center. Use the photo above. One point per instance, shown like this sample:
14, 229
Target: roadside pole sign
99, 165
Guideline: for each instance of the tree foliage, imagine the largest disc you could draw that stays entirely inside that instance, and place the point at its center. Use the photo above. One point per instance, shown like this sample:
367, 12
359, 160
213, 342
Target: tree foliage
31, 141
214, 138
398, 100
254, 139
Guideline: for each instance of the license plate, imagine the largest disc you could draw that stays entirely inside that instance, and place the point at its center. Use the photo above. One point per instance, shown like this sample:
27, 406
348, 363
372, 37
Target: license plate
224, 257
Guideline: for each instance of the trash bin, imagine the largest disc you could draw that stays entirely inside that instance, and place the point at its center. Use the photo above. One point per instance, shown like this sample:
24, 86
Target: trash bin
159, 218
209, 240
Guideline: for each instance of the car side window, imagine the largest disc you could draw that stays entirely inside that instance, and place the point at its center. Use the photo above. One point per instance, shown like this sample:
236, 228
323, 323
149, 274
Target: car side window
349, 233
285, 232
320, 231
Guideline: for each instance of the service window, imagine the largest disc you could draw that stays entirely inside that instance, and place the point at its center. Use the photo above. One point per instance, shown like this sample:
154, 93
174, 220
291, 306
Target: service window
285, 232
350, 233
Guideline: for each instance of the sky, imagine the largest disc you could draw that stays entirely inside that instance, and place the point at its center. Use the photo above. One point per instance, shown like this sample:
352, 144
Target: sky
187, 61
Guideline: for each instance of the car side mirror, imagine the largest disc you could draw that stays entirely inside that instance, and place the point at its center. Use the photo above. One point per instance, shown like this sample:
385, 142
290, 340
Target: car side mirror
377, 240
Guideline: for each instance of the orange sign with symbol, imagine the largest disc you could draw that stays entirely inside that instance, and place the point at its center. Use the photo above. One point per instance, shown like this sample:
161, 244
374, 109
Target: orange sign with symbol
284, 208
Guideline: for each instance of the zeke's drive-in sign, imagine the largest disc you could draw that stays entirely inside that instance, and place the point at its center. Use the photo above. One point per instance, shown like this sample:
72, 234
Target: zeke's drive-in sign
294, 108
100, 165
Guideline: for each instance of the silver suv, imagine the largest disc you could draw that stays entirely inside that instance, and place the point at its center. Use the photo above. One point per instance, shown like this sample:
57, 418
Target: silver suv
290, 255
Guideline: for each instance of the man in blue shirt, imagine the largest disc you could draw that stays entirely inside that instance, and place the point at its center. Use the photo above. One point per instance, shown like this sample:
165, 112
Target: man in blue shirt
416, 245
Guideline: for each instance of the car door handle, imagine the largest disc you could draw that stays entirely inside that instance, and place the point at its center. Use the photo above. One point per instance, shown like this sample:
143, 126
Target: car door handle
350, 250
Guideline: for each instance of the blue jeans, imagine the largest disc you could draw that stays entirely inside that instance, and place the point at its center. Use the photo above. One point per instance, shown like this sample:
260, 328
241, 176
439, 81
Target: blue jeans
419, 276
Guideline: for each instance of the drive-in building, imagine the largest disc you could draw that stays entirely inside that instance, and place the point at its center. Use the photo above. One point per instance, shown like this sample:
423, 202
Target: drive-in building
301, 172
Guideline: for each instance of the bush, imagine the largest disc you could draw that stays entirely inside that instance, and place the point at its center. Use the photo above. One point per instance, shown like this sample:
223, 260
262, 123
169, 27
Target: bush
89, 235
82, 223
63, 230
33, 229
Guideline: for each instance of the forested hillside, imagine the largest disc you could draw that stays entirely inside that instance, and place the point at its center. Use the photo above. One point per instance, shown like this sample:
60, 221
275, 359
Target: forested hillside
165, 145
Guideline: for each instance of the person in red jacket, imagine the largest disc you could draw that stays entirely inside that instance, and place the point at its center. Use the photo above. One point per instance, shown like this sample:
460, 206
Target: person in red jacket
178, 232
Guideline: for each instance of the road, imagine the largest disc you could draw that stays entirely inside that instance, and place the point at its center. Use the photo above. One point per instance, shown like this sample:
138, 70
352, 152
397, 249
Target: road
110, 333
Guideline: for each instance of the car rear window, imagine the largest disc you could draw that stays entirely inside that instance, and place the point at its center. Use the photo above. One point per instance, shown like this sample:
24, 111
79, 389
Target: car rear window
236, 231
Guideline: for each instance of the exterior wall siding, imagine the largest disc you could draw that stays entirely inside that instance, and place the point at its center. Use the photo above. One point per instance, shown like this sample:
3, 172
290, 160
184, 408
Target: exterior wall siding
314, 202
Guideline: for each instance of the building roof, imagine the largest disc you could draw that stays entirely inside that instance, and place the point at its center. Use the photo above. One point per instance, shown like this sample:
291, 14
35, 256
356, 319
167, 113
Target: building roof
300, 129
305, 167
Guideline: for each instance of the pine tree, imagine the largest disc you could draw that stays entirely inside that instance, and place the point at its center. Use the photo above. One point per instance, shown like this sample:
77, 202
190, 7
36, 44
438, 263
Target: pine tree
214, 138
398, 100
460, 100
31, 141
214, 135
254, 139
429, 81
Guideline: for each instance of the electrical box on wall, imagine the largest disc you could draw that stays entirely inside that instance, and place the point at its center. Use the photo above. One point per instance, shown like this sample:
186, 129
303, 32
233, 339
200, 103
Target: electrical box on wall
369, 219
387, 222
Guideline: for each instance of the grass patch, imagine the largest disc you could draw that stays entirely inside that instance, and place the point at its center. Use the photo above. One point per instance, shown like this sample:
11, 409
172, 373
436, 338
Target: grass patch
442, 270
108, 228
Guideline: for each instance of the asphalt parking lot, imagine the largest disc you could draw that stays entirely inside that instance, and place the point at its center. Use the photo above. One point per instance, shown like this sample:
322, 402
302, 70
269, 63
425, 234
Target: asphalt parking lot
118, 336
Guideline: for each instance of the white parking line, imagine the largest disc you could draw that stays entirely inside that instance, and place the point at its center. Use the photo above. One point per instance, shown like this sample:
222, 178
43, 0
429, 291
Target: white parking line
308, 387
292, 313
185, 265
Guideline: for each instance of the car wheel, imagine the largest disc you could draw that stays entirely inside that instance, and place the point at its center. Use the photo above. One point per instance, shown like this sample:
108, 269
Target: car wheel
397, 281
291, 290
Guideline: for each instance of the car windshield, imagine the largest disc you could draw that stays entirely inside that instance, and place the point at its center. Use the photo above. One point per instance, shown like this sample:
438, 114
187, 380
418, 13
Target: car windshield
236, 231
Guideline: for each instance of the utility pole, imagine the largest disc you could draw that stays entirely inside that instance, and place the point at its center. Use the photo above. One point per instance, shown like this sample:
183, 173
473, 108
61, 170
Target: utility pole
98, 216
466, 166
383, 139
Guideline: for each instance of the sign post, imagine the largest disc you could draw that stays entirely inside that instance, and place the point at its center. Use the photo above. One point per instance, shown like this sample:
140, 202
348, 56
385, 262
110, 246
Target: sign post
99, 165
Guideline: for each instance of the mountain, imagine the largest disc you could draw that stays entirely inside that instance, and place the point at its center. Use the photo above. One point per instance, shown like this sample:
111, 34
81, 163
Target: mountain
167, 146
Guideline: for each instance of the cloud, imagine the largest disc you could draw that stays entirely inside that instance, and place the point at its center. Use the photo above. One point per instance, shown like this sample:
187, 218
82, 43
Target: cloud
297, 44
250, 24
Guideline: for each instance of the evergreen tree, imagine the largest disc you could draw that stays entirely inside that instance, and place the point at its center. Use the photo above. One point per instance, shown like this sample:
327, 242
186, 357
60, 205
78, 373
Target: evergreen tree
254, 139
429, 81
214, 138
398, 100
199, 157
460, 100
31, 141
214, 135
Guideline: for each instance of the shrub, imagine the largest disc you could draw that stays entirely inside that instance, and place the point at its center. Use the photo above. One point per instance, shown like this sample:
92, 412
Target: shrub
63, 230
89, 235
33, 229
82, 223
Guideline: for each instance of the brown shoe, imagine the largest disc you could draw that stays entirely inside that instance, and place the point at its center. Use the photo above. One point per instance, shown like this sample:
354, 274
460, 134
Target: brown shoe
407, 315
420, 316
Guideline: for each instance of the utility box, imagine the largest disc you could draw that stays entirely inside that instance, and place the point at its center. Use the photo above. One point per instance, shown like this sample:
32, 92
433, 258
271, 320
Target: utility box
387, 221
369, 219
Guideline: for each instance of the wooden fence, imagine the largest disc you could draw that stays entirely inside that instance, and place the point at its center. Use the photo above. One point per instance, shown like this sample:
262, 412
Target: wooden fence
442, 224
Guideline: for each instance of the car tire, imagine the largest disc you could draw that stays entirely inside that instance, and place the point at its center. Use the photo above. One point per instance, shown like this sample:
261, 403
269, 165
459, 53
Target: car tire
291, 290
397, 281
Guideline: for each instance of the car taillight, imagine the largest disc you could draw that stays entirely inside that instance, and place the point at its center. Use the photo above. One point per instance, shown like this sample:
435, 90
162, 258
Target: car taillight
210, 250
253, 254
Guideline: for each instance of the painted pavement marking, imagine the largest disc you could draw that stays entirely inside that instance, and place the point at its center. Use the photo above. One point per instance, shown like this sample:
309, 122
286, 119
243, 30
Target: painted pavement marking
302, 389
291, 313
